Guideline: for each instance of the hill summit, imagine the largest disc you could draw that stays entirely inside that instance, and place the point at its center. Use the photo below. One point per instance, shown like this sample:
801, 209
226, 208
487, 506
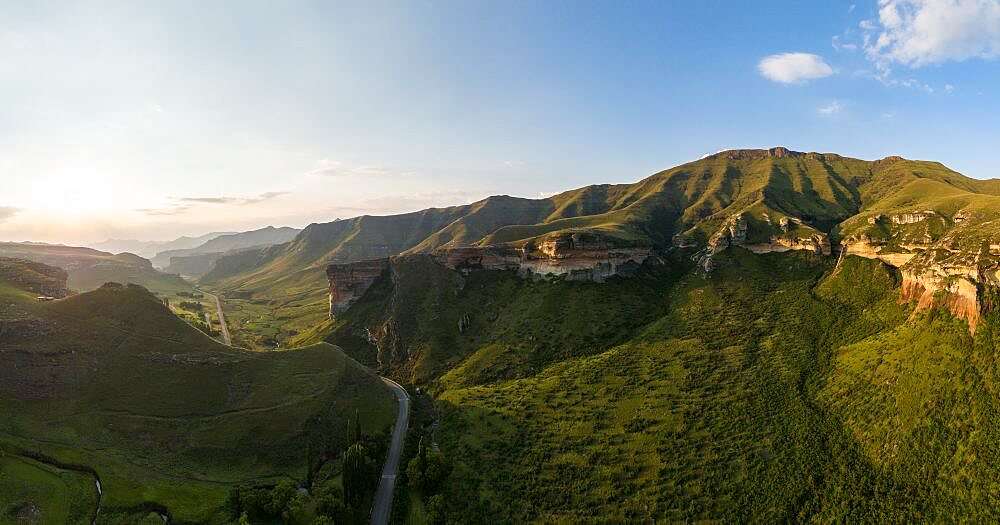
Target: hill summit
917, 215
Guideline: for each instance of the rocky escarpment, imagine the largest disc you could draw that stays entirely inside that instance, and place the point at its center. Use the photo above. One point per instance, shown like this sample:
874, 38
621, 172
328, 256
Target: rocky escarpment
788, 234
574, 257
944, 261
348, 282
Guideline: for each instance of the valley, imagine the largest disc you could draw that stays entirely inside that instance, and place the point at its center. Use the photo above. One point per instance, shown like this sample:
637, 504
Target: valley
759, 335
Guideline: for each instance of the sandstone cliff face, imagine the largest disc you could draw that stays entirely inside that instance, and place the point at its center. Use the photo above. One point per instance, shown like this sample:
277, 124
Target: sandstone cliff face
576, 258
938, 286
935, 274
818, 244
735, 232
348, 282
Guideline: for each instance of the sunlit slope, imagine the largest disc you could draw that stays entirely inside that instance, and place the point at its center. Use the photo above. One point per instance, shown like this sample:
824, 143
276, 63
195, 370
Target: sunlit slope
779, 387
692, 200
111, 379
820, 195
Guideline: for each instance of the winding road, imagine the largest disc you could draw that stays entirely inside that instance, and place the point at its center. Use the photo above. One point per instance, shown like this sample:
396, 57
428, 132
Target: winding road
222, 317
382, 506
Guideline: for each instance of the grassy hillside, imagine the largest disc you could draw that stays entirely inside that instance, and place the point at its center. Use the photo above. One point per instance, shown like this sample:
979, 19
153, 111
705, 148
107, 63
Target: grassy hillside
89, 269
772, 389
112, 380
815, 193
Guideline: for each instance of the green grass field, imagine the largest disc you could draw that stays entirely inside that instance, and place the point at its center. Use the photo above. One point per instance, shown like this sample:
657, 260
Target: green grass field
36, 493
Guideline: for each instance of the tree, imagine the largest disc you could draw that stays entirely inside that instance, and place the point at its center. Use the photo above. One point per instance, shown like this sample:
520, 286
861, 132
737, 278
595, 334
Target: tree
428, 470
437, 512
357, 427
417, 468
357, 474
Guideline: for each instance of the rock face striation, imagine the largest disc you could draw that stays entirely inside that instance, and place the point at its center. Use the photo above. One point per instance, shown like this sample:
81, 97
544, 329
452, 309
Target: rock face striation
348, 282
789, 234
575, 257
943, 260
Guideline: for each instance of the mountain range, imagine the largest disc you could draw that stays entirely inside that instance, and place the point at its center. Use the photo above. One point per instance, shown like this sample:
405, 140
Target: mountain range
759, 335
148, 249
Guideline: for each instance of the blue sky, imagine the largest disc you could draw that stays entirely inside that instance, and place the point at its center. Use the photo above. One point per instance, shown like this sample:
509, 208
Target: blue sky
155, 119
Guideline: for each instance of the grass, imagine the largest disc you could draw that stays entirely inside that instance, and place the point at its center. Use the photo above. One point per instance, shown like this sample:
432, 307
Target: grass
776, 388
113, 380
828, 194
33, 492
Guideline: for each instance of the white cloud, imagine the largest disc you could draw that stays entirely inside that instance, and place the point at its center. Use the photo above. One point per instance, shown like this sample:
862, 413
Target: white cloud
794, 68
916, 33
831, 108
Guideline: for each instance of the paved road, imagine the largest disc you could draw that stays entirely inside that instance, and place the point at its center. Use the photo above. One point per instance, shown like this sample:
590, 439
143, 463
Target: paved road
222, 317
383, 498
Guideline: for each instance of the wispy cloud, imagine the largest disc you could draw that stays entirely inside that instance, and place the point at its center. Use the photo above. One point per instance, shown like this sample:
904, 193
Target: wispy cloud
333, 168
830, 109
7, 212
838, 44
240, 201
794, 68
170, 210
179, 205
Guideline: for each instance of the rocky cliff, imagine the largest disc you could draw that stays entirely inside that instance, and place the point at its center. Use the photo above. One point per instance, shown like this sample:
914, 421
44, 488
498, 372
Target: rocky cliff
944, 259
348, 282
785, 234
575, 257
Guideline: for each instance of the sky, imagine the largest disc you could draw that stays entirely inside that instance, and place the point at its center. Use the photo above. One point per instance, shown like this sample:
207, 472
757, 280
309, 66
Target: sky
150, 120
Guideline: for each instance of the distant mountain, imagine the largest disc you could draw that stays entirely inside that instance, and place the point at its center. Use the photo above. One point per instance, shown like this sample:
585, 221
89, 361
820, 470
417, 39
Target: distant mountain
148, 249
779, 198
198, 259
88, 268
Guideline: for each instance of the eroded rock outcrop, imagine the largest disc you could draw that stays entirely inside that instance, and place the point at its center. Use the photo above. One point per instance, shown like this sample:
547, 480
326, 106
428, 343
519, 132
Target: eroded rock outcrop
817, 243
934, 273
783, 237
952, 288
575, 257
348, 282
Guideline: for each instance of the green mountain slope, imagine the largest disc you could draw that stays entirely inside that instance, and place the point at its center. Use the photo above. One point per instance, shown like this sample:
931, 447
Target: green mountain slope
168, 418
778, 387
773, 198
